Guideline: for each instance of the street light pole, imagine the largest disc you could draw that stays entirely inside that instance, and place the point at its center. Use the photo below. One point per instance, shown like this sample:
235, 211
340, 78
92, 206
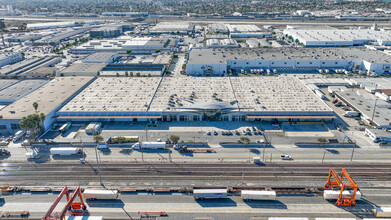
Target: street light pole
97, 161
354, 146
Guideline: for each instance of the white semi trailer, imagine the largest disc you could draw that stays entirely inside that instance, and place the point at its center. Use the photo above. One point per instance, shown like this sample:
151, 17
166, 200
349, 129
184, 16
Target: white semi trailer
100, 194
65, 151
334, 194
382, 212
258, 195
209, 193
149, 145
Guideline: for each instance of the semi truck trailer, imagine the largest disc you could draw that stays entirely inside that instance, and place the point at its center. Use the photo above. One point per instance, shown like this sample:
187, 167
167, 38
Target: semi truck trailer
65, 151
258, 195
149, 145
334, 194
209, 193
100, 194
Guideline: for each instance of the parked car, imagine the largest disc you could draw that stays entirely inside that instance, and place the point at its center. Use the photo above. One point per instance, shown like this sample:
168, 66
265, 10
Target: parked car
4, 152
209, 133
215, 133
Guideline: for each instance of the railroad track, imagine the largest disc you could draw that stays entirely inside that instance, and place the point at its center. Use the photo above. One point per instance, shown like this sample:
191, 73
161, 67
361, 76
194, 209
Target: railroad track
138, 172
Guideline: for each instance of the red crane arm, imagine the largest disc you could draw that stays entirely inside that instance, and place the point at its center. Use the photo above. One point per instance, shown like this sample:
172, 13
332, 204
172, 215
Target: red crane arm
69, 202
55, 203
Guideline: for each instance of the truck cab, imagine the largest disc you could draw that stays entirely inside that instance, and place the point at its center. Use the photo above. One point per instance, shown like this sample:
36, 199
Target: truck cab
32, 155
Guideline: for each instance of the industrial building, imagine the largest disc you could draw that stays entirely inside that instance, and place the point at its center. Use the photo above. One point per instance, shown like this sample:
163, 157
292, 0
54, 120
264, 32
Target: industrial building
23, 68
138, 45
212, 43
333, 38
18, 90
246, 31
196, 99
10, 58
83, 69
61, 36
50, 97
373, 112
104, 57
48, 25
106, 31
221, 61
217, 28
172, 27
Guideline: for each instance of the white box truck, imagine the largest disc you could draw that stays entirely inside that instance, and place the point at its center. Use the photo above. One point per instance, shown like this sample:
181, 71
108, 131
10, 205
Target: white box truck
351, 114
19, 134
149, 145
100, 194
209, 193
258, 195
382, 211
65, 151
334, 194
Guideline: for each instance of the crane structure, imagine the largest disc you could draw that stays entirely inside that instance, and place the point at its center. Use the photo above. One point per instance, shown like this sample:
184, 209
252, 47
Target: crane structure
73, 208
339, 182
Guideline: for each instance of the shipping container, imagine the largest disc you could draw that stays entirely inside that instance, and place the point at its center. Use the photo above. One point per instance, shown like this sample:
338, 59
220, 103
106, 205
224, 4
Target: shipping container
149, 145
382, 211
335, 218
258, 195
209, 193
72, 217
64, 151
100, 194
287, 218
334, 194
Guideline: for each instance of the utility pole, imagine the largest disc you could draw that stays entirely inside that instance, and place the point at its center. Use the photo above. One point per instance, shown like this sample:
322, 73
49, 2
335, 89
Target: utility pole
97, 161
354, 146
271, 155
324, 153
82, 150
141, 148
374, 108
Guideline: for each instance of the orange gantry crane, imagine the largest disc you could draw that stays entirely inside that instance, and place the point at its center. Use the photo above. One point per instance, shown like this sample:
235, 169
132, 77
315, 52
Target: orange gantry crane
73, 208
343, 200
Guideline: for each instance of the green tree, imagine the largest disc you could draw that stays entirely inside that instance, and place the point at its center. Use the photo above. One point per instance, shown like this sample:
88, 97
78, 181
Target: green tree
98, 138
42, 116
322, 140
157, 51
244, 140
129, 52
138, 74
131, 74
35, 106
31, 123
174, 138
149, 75
126, 73
117, 74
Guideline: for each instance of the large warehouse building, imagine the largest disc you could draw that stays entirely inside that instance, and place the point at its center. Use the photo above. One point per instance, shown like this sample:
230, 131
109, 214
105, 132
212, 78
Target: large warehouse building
139, 45
195, 99
221, 61
333, 38
50, 97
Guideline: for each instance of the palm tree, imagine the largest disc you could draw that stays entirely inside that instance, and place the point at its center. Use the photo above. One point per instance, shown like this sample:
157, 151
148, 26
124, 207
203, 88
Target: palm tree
35, 105
42, 117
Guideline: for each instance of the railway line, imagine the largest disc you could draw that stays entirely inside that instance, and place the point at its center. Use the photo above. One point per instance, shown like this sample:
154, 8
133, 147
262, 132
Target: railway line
184, 173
